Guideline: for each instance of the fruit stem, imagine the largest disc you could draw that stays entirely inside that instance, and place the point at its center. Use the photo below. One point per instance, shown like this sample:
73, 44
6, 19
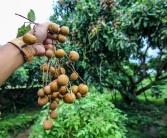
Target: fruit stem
26, 18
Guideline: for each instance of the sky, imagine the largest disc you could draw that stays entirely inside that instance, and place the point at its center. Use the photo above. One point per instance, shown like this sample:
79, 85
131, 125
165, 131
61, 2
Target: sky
10, 22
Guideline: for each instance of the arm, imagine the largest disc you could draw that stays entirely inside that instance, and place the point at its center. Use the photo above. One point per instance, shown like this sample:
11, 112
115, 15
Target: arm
11, 58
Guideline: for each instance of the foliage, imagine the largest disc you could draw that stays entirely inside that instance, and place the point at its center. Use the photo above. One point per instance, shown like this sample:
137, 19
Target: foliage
116, 39
12, 124
93, 116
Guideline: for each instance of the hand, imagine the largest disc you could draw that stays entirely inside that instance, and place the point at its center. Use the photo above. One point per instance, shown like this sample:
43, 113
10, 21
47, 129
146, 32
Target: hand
45, 40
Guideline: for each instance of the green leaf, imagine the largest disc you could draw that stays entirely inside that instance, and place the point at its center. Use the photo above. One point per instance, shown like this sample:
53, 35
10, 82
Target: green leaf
31, 15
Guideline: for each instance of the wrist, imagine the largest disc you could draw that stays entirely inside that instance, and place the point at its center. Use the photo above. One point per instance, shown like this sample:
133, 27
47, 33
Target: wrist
27, 51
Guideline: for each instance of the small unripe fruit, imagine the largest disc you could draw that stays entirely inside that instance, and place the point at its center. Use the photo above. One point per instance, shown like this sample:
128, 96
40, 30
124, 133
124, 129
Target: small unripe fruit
73, 56
74, 76
62, 80
29, 39
41, 92
47, 124
43, 100
74, 89
83, 89
53, 28
61, 38
53, 105
47, 90
54, 86
60, 53
53, 114
64, 30
49, 53
69, 98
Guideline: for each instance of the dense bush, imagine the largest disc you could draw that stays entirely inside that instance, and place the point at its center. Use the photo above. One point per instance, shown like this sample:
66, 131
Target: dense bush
91, 117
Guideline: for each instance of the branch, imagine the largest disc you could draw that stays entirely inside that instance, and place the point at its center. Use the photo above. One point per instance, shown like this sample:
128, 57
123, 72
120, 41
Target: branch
145, 88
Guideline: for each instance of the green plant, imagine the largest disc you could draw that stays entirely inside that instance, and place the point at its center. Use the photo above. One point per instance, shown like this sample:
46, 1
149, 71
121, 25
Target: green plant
91, 117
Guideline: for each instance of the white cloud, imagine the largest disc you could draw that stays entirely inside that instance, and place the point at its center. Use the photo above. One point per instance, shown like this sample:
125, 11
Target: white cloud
10, 22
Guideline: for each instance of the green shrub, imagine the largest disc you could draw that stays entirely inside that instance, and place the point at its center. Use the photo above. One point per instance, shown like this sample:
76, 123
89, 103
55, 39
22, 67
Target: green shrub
91, 117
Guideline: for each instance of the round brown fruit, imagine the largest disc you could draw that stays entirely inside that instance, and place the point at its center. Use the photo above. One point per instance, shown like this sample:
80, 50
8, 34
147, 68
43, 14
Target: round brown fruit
43, 100
63, 90
52, 70
69, 98
54, 86
74, 76
44, 67
60, 96
41, 93
55, 94
49, 53
53, 28
61, 38
60, 53
53, 114
62, 80
64, 30
53, 105
78, 95
29, 39
47, 124
47, 90
83, 89
73, 56
57, 100
74, 89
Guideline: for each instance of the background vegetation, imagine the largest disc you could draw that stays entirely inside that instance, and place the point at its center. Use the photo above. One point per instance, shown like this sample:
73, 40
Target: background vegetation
122, 46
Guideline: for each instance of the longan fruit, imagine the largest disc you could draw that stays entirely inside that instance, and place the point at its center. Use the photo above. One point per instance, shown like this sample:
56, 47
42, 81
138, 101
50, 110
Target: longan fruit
73, 56
74, 76
53, 105
62, 80
83, 89
52, 70
43, 100
44, 67
78, 95
47, 124
74, 89
59, 72
49, 53
29, 39
53, 114
54, 86
64, 30
47, 90
61, 38
69, 98
53, 28
63, 90
60, 96
55, 94
60, 53
41, 93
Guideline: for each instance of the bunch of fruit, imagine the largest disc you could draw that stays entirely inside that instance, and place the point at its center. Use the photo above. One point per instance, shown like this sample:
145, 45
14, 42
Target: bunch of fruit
57, 83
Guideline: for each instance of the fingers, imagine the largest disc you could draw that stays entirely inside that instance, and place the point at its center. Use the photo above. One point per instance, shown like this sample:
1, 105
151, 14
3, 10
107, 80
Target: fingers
39, 49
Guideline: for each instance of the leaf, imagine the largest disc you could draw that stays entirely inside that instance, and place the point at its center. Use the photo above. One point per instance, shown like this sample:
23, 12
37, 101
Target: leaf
31, 15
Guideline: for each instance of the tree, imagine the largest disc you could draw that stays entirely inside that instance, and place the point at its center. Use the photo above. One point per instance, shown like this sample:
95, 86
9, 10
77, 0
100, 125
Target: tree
115, 39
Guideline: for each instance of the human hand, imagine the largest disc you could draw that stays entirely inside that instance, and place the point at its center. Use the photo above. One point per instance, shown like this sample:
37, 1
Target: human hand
45, 40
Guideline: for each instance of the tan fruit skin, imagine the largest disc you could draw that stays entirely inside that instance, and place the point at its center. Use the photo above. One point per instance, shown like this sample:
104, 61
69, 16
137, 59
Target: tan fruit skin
54, 86
64, 30
73, 56
43, 101
60, 53
62, 80
83, 89
48, 124
53, 114
61, 38
69, 98
74, 76
41, 92
49, 53
74, 89
53, 105
47, 89
53, 28
29, 39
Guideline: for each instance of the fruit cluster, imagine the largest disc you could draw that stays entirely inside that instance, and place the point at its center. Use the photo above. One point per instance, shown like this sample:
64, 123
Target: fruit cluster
58, 84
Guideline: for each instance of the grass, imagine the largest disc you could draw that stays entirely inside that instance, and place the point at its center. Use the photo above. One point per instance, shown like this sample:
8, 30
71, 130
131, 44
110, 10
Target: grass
12, 124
